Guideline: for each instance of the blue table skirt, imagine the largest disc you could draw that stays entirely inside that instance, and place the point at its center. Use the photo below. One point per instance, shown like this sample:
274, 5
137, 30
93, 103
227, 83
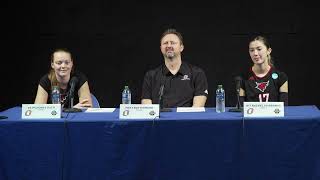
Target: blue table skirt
188, 146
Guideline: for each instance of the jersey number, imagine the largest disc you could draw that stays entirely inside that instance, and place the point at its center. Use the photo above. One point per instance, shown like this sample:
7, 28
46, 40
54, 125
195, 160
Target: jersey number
264, 97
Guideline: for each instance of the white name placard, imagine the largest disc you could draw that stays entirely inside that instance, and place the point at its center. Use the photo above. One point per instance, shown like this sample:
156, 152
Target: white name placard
263, 109
41, 111
139, 111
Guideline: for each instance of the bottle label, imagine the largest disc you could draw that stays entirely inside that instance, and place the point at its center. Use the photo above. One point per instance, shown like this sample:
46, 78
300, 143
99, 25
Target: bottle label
55, 99
126, 98
124, 95
220, 96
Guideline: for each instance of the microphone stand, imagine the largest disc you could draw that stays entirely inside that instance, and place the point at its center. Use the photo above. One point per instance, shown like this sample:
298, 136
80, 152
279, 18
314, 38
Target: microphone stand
3, 117
73, 81
238, 106
72, 109
161, 101
162, 109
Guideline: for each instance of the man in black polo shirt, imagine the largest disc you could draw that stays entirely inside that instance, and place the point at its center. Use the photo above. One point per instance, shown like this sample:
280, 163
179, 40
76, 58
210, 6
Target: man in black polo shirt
179, 84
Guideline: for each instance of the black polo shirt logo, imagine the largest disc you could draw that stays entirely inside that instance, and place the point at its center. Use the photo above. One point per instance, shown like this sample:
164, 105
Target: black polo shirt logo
185, 77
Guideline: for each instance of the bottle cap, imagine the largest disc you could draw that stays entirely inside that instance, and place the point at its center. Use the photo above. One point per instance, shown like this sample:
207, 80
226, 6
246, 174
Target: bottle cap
219, 86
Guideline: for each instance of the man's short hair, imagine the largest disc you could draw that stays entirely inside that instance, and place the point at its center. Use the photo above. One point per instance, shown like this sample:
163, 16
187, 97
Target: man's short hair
172, 31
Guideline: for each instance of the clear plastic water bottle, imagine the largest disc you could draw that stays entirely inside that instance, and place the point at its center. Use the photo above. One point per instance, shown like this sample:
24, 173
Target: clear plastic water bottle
126, 95
220, 100
55, 95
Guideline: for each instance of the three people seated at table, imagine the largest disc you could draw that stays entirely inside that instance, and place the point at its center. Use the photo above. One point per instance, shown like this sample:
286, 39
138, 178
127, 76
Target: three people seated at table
174, 83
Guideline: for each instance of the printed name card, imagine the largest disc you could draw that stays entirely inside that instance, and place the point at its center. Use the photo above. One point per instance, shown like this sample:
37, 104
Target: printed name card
263, 109
139, 111
41, 111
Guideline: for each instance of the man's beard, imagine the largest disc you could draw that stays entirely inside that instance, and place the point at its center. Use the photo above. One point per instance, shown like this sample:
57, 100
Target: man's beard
170, 55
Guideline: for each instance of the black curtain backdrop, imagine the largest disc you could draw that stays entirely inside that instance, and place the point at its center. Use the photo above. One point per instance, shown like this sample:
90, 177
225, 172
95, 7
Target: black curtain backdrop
115, 42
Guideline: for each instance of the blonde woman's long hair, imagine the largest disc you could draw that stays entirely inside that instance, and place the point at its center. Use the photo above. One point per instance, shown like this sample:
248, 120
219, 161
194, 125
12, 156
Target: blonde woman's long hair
52, 75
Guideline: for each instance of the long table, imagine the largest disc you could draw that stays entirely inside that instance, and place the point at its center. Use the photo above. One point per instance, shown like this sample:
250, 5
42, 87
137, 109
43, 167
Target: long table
186, 146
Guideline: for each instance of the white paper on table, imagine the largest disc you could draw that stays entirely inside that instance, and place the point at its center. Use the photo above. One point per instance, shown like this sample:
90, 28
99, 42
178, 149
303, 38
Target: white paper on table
191, 109
108, 110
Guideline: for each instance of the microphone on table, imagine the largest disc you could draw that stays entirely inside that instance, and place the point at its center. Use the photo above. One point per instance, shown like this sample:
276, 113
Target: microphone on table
161, 90
73, 81
238, 108
3, 117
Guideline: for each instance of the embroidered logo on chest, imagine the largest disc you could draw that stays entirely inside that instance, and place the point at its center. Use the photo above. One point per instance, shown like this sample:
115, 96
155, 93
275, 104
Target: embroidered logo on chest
185, 77
262, 86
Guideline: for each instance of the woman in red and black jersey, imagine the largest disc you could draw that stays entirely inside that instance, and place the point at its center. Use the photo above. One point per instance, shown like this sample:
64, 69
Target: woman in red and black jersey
263, 82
